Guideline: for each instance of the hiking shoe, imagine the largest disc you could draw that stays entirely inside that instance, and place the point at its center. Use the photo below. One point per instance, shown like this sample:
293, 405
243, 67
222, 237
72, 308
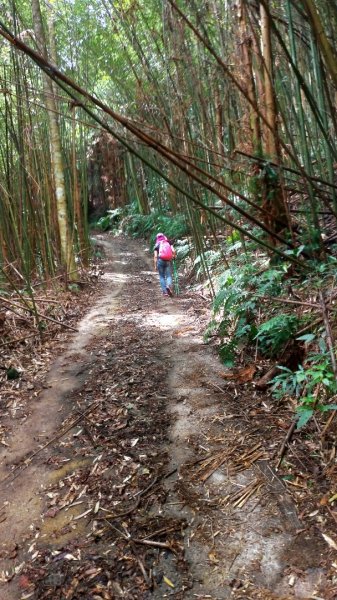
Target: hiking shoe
169, 291
165, 294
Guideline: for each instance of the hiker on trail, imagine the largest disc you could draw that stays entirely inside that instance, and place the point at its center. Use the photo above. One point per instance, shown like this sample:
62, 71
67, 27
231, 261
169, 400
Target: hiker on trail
164, 253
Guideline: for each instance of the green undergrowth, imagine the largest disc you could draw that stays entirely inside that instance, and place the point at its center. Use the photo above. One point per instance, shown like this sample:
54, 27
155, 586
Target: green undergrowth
147, 226
175, 227
109, 221
263, 308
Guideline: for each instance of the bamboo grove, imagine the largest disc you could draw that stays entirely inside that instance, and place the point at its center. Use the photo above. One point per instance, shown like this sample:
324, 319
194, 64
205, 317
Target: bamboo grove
226, 111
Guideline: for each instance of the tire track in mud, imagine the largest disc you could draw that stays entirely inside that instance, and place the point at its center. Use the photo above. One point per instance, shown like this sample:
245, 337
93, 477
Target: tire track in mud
173, 410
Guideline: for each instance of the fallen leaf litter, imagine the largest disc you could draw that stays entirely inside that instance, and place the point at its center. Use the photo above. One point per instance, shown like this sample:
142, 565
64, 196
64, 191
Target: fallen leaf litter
111, 500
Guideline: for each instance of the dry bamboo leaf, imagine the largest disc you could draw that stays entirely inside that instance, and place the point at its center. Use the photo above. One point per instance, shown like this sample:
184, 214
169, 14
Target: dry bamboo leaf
242, 375
183, 330
330, 541
168, 582
83, 514
212, 557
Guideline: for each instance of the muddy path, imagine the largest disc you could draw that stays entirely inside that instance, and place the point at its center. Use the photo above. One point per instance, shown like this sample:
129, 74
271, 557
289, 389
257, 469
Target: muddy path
138, 472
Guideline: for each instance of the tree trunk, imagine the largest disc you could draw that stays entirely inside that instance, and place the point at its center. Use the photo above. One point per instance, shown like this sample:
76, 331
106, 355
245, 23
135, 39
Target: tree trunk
246, 45
269, 98
219, 125
67, 253
326, 48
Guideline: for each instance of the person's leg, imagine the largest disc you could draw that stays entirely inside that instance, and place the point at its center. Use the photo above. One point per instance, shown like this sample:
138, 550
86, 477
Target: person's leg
162, 270
168, 276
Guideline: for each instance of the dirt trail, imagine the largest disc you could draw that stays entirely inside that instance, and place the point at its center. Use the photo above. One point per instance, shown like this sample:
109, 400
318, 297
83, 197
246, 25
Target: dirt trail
200, 468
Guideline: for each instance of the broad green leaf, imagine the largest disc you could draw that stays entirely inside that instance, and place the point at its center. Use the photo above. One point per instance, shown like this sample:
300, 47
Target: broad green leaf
304, 415
308, 337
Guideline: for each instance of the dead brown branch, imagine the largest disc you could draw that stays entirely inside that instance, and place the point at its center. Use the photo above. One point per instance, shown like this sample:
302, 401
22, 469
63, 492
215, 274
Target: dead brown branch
11, 304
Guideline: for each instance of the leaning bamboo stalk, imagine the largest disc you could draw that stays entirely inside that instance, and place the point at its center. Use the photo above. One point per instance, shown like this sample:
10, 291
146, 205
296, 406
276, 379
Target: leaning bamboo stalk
55, 73
323, 111
326, 47
166, 152
126, 123
19, 340
330, 338
232, 77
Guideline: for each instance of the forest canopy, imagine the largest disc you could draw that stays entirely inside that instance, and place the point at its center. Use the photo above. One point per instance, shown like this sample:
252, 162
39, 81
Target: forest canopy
226, 112
219, 117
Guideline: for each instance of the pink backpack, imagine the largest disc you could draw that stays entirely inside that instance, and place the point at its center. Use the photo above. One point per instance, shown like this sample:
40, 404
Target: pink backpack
165, 250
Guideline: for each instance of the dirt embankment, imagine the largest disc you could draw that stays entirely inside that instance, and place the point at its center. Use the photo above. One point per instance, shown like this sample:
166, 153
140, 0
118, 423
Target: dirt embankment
140, 473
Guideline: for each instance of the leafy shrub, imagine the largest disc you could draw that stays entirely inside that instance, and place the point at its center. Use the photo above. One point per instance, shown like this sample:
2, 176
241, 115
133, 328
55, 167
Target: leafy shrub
210, 257
234, 313
312, 385
273, 334
147, 226
236, 307
182, 248
269, 282
109, 220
